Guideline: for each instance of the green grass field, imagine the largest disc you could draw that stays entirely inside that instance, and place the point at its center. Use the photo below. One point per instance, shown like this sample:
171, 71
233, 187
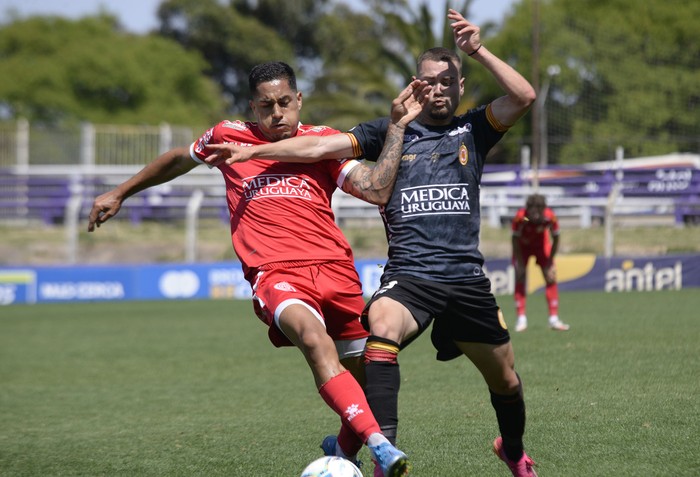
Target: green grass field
195, 388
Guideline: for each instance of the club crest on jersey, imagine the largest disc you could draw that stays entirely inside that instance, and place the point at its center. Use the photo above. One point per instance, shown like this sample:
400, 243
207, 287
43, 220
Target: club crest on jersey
463, 155
284, 286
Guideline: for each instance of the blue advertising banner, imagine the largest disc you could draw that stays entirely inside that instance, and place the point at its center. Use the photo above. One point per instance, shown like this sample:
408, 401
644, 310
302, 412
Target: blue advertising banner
618, 274
582, 272
225, 279
127, 282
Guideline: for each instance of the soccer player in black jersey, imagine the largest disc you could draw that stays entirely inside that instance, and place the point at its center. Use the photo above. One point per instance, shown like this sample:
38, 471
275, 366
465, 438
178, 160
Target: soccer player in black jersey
434, 273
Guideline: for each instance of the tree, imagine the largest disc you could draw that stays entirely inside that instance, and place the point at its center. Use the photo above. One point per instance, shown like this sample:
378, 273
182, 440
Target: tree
296, 22
339, 62
231, 41
353, 82
350, 62
626, 74
90, 70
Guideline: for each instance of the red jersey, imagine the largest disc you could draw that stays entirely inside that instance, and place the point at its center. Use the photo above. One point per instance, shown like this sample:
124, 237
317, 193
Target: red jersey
535, 236
280, 212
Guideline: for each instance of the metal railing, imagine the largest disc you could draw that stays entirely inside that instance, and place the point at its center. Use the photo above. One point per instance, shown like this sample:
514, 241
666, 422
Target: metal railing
53, 175
23, 146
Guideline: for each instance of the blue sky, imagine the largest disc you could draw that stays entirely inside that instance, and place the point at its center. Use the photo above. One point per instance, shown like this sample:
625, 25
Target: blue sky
140, 15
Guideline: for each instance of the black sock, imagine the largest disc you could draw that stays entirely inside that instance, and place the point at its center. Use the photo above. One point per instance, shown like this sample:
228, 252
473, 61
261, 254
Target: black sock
382, 383
510, 412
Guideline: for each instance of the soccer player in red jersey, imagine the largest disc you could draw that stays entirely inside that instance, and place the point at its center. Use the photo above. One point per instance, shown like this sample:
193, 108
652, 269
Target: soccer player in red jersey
296, 259
536, 234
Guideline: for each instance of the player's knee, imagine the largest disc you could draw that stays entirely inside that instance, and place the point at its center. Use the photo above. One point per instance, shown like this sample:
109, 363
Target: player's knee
381, 327
388, 321
509, 386
315, 339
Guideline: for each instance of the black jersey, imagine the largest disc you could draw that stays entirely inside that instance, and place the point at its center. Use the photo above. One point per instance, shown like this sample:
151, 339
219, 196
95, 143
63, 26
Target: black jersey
432, 220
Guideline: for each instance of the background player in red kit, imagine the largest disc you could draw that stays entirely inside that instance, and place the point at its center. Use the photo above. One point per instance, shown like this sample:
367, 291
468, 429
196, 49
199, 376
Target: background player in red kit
536, 234
296, 259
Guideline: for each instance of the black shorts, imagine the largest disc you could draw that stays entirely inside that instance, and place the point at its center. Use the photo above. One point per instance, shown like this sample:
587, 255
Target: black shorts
465, 311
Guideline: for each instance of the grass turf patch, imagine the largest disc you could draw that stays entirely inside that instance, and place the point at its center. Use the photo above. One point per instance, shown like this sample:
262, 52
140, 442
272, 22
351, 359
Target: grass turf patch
194, 388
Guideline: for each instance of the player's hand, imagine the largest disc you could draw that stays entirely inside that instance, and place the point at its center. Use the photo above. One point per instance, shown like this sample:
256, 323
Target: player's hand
104, 208
467, 35
227, 153
550, 273
409, 103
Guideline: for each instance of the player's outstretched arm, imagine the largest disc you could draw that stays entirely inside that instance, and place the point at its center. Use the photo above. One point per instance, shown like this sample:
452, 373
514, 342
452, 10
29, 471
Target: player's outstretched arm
166, 167
309, 149
300, 149
375, 184
519, 92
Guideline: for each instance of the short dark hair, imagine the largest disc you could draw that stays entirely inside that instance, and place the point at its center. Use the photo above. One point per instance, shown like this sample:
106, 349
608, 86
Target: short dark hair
440, 54
273, 70
536, 200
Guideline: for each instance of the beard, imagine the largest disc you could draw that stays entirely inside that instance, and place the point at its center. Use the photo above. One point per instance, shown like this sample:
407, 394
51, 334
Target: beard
440, 113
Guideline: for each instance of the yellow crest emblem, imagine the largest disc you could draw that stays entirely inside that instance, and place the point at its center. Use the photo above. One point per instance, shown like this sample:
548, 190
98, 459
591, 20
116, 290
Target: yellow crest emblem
502, 319
463, 155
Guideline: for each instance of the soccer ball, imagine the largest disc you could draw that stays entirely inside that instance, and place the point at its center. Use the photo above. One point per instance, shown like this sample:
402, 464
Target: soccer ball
331, 466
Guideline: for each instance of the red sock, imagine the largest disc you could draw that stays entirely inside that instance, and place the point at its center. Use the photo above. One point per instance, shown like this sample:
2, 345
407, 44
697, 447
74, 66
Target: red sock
551, 292
345, 396
519, 296
348, 441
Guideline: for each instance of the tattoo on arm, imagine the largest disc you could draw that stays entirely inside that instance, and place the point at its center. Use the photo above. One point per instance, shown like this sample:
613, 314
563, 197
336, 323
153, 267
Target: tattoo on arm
375, 184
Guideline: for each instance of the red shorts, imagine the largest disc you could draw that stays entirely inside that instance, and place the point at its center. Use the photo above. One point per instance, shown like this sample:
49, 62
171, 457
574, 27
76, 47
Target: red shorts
541, 256
331, 290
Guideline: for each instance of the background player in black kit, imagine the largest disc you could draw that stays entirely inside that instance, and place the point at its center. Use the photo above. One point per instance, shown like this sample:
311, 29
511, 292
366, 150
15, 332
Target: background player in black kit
434, 271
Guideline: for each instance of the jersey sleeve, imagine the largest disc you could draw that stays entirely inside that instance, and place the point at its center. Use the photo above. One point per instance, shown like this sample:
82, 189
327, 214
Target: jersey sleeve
486, 129
518, 222
210, 136
370, 137
343, 168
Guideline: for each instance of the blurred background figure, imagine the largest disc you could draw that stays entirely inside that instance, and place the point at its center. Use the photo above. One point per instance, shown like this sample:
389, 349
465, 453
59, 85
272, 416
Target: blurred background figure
536, 234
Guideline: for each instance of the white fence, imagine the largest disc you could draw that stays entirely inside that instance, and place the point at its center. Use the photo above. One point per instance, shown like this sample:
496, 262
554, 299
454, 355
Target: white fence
54, 176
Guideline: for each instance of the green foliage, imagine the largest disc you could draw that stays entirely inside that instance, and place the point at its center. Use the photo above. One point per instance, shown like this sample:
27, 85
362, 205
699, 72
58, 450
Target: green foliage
628, 69
295, 21
231, 42
378, 52
89, 70
359, 87
628, 74
183, 388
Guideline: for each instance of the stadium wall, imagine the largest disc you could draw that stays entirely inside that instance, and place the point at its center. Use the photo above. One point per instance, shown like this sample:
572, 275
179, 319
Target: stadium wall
224, 280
